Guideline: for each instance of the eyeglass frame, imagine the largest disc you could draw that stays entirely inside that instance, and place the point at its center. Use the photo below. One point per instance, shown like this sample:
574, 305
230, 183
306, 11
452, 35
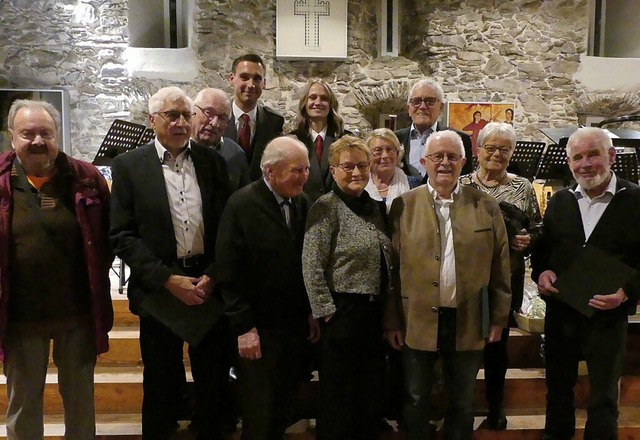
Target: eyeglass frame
223, 119
377, 151
451, 157
491, 150
349, 167
427, 102
187, 116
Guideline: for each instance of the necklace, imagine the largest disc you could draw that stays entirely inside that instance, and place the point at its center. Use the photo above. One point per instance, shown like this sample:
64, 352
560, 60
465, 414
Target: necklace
483, 182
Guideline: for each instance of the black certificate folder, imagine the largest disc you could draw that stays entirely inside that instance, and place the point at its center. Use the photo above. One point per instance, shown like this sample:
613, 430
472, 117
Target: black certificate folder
593, 272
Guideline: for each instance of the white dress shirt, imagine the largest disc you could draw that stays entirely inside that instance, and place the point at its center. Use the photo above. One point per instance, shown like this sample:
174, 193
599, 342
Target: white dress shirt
237, 112
442, 208
592, 209
185, 200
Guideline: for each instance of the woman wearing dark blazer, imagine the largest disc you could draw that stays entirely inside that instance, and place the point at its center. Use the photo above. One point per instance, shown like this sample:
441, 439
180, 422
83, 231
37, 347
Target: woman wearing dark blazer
318, 125
345, 265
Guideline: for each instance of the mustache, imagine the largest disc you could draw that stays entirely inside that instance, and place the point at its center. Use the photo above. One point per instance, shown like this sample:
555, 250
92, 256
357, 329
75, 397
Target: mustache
37, 148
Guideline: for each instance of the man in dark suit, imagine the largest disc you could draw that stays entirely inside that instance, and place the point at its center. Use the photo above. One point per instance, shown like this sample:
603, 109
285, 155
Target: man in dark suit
252, 125
167, 198
259, 268
212, 111
425, 104
602, 211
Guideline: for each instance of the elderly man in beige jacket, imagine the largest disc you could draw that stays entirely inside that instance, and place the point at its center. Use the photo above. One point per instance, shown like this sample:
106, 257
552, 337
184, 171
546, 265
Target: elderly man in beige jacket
451, 290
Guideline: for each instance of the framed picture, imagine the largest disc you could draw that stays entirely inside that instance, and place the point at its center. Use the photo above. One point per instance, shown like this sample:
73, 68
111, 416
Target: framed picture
471, 117
311, 29
59, 99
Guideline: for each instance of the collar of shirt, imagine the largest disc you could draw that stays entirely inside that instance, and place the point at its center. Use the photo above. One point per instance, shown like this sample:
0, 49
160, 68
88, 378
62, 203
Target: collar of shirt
580, 192
315, 134
415, 134
237, 113
436, 196
277, 196
160, 151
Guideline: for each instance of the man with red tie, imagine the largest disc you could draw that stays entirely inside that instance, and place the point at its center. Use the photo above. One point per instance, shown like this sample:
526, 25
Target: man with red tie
252, 125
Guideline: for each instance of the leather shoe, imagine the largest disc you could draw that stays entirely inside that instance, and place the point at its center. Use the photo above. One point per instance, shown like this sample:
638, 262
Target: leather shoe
497, 422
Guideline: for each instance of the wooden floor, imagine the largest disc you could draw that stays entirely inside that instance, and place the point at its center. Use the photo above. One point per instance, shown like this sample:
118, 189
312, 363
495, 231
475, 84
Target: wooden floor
118, 391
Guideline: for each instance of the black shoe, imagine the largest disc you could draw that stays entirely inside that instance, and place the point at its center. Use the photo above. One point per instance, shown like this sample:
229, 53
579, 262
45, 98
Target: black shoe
497, 422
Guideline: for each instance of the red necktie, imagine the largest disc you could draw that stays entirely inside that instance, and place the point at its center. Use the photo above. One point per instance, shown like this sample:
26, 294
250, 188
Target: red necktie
319, 141
244, 137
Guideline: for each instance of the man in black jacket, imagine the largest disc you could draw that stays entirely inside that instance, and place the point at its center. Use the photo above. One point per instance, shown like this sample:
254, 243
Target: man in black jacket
425, 104
601, 211
252, 125
167, 198
259, 268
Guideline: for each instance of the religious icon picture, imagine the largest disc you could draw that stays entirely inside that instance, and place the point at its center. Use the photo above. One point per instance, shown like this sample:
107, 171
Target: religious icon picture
471, 117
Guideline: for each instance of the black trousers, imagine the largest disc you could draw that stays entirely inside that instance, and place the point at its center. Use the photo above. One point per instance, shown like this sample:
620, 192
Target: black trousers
163, 380
495, 354
601, 341
352, 369
269, 385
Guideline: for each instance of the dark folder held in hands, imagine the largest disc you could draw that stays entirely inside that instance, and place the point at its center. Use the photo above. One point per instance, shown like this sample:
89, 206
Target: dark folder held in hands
592, 272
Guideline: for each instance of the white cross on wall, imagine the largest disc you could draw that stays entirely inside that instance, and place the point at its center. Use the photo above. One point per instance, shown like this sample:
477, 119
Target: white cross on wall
312, 11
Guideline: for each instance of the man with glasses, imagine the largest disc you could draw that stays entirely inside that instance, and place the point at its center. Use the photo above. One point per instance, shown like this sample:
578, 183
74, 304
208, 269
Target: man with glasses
212, 112
167, 198
451, 290
54, 273
425, 104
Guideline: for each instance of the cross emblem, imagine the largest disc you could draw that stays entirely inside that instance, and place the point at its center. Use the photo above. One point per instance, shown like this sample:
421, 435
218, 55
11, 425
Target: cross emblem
312, 11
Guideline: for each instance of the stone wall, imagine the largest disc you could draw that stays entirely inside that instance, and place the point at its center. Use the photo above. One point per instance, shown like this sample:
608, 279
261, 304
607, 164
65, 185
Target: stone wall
523, 51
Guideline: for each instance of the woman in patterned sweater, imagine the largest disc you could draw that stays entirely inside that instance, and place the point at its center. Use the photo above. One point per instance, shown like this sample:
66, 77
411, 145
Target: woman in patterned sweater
346, 262
496, 142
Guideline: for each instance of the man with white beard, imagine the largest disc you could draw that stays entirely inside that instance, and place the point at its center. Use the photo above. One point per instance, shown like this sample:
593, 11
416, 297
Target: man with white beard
601, 211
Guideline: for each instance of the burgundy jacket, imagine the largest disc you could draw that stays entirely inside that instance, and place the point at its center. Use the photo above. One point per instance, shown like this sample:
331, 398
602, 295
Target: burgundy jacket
92, 201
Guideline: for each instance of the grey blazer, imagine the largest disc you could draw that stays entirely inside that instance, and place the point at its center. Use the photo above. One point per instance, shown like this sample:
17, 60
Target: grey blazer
341, 253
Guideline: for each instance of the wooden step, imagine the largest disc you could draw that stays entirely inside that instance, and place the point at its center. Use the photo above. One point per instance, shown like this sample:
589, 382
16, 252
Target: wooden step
118, 389
522, 426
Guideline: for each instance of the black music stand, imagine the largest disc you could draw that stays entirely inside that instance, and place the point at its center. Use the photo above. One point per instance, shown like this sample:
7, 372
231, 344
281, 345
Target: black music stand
526, 158
121, 137
147, 136
553, 164
626, 166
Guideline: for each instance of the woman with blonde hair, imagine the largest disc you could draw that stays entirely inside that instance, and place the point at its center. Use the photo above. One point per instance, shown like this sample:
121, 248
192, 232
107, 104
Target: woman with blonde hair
346, 259
387, 180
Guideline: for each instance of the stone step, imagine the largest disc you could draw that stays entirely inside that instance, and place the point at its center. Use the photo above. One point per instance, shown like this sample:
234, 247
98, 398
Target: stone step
522, 426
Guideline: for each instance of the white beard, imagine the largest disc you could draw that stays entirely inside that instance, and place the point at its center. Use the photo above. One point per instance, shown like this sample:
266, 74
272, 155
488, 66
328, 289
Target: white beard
592, 182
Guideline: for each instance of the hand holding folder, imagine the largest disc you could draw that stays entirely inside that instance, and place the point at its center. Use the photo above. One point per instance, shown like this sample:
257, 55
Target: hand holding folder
592, 272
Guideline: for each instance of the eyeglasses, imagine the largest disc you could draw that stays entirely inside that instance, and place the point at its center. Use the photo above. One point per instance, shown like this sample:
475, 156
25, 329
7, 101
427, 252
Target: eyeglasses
349, 167
211, 113
377, 152
439, 157
173, 116
429, 102
491, 149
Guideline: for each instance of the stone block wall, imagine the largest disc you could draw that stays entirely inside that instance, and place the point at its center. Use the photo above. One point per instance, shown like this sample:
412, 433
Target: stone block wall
523, 51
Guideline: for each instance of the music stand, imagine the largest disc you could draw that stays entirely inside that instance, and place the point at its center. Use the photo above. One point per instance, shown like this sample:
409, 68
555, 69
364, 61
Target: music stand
147, 136
626, 166
121, 137
526, 158
553, 164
